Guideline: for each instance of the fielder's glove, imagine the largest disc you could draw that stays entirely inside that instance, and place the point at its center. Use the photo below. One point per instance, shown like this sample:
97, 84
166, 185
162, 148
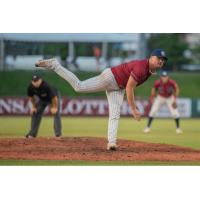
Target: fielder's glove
174, 105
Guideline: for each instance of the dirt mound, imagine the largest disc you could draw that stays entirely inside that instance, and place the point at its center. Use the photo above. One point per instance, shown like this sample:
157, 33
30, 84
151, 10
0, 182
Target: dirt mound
93, 149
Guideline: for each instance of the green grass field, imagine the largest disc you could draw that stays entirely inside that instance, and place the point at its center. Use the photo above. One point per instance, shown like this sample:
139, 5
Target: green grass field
163, 131
20, 80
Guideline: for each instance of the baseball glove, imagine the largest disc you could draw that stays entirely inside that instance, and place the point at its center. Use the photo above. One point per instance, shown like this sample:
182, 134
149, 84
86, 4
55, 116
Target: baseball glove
174, 105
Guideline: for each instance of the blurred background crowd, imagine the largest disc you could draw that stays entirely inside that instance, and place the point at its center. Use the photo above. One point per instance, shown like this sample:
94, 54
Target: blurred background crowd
94, 52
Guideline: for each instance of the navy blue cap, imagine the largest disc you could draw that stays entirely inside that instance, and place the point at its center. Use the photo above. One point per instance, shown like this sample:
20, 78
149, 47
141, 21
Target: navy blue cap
164, 73
35, 77
159, 53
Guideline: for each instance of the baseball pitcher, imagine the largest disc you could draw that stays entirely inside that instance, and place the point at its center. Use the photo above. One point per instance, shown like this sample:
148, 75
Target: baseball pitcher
115, 81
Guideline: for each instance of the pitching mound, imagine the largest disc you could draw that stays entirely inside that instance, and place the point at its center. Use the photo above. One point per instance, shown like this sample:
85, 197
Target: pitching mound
93, 149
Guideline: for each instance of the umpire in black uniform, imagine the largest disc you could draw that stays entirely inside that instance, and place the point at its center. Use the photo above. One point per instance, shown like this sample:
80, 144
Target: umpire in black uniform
41, 94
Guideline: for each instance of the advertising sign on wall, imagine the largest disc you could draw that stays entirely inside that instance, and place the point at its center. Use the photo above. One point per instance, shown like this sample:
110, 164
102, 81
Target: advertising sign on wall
88, 107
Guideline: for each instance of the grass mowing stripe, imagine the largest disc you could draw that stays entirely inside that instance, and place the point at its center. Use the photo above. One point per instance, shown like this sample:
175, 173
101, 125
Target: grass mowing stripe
92, 163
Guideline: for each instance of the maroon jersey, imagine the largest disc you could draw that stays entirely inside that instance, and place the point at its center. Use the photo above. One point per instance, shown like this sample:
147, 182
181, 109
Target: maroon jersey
165, 89
138, 69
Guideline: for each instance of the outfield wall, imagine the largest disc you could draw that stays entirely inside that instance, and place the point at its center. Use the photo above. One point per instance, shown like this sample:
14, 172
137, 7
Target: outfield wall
196, 108
97, 107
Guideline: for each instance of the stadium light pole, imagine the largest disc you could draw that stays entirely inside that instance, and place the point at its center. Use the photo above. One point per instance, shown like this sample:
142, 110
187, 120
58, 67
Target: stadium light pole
1, 53
71, 49
143, 45
104, 50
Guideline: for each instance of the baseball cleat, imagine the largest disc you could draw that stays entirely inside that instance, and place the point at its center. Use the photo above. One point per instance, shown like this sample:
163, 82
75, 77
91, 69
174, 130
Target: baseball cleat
111, 147
58, 136
178, 131
147, 130
29, 136
50, 64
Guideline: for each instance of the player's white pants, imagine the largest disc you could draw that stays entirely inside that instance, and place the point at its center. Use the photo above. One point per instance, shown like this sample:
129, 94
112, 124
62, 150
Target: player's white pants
104, 82
159, 100
115, 100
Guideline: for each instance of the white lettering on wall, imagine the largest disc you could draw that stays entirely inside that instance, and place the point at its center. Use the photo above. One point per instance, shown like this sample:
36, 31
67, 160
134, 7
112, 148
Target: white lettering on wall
5, 106
85, 107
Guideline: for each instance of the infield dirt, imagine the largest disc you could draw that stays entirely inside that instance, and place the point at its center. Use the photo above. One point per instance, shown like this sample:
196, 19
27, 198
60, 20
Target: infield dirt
91, 149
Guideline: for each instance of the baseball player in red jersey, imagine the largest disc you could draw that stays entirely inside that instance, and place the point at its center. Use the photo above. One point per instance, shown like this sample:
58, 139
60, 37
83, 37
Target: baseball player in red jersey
167, 90
115, 81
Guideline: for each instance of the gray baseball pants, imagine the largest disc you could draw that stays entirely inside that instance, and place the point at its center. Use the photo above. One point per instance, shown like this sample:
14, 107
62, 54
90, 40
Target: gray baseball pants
36, 119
